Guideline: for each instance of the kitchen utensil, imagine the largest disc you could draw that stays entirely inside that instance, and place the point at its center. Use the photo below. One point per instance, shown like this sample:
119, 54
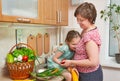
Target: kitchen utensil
31, 40
39, 44
46, 43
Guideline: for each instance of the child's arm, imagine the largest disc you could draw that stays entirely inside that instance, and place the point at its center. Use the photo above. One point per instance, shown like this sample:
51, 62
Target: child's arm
56, 56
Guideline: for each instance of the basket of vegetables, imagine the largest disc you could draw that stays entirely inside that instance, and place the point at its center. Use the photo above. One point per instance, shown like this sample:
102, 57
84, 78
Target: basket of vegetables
20, 61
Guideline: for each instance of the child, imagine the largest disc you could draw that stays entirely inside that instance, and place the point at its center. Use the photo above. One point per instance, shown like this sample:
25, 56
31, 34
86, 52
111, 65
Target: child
65, 51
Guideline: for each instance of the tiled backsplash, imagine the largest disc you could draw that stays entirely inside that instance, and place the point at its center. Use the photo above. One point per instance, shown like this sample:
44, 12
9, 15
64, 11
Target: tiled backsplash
24, 33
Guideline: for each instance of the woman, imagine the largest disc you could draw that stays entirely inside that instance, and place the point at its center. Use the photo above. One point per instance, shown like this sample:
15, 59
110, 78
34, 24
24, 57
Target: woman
86, 58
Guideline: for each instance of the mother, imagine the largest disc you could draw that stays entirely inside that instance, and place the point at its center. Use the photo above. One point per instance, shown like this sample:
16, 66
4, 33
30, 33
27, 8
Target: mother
86, 58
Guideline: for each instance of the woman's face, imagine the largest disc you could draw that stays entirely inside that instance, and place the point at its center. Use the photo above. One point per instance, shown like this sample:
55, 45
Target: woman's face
83, 22
73, 43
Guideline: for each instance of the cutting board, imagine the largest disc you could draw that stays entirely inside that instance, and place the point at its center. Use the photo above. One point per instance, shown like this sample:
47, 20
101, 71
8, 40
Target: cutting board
46, 43
39, 44
31, 40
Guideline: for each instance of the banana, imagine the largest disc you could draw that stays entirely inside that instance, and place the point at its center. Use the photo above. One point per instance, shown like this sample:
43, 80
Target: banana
75, 75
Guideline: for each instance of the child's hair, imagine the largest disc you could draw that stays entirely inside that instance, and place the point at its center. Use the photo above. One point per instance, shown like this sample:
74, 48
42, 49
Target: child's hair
87, 10
72, 34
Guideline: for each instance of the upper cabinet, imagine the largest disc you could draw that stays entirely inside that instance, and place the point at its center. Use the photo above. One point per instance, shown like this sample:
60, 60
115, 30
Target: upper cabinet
25, 11
55, 12
49, 12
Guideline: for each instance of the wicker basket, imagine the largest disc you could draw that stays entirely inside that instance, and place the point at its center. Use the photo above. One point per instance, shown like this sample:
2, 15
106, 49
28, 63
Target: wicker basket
20, 70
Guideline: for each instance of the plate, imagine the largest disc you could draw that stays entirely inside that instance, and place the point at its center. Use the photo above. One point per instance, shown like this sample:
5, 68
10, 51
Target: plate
55, 78
43, 78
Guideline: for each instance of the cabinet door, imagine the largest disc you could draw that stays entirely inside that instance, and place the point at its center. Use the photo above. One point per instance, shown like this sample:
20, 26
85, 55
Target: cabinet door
55, 12
50, 12
26, 11
63, 12
0, 11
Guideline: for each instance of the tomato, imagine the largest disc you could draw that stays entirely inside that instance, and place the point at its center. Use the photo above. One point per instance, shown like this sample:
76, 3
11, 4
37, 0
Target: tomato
25, 58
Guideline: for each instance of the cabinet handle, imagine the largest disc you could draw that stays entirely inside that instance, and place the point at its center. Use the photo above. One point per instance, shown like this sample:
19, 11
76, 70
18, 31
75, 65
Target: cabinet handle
24, 20
60, 14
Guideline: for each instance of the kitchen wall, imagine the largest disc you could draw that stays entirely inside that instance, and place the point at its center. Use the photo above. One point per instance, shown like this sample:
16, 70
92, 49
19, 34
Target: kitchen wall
111, 69
7, 38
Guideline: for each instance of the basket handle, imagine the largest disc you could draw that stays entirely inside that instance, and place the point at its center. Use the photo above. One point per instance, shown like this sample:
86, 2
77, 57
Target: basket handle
19, 45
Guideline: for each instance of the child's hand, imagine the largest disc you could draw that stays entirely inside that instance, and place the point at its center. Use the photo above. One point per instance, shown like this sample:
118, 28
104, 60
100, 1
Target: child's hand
65, 63
62, 62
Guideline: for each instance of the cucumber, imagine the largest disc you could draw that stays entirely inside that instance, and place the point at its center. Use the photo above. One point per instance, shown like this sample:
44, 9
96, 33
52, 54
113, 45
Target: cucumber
50, 72
45, 73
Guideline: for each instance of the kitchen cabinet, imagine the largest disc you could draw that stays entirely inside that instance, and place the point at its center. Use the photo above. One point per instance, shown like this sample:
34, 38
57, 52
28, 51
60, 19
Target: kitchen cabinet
55, 12
48, 12
24, 11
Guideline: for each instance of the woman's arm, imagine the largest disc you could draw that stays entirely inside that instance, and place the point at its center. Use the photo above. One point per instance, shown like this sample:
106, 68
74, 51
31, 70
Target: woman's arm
93, 57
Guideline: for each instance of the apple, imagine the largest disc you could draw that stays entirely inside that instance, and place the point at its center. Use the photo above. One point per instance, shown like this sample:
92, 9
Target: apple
25, 58
62, 62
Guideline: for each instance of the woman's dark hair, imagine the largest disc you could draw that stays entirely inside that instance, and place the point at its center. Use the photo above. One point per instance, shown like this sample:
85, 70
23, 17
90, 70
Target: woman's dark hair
72, 34
87, 10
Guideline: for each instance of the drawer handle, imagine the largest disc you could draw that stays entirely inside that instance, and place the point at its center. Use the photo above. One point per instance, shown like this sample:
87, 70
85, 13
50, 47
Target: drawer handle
24, 20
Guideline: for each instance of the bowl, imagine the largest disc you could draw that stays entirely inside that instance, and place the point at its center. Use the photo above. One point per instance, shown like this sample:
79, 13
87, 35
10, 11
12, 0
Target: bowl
42, 78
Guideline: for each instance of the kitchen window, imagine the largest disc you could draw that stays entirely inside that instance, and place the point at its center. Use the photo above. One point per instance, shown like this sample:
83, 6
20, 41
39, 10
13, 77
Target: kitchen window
113, 43
19, 8
109, 44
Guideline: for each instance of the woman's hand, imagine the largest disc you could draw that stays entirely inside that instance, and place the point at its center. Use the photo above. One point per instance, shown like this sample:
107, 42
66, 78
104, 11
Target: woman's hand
65, 63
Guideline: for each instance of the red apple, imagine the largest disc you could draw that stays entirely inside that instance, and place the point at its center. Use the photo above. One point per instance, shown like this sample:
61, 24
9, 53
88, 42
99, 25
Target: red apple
62, 62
